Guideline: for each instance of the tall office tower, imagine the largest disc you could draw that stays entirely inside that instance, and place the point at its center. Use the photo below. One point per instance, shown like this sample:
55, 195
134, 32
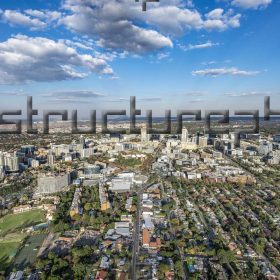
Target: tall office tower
145, 137
2, 172
265, 147
11, 163
82, 141
27, 149
2, 159
50, 159
60, 149
185, 135
232, 137
86, 153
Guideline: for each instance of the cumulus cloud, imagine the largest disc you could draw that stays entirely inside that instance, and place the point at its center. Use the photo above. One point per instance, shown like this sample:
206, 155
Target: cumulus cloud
121, 24
112, 24
173, 20
77, 44
206, 45
233, 71
125, 36
218, 19
177, 20
17, 18
251, 4
44, 14
34, 19
24, 59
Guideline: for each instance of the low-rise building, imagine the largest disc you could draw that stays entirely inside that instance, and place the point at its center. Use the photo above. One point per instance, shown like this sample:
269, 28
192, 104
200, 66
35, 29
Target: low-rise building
22, 208
53, 183
103, 198
75, 206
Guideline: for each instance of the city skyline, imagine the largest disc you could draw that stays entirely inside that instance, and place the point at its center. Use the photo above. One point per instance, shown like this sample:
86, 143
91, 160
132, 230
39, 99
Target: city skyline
176, 55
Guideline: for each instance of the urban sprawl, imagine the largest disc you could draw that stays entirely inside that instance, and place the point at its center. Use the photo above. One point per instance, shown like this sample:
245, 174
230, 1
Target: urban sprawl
149, 206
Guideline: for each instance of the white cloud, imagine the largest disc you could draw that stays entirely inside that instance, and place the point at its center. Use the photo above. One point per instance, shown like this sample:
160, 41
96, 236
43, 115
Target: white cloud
77, 44
233, 71
251, 4
178, 20
24, 59
217, 19
195, 93
206, 45
247, 94
215, 14
14, 93
163, 55
17, 18
122, 25
198, 100
209, 62
190, 4
34, 19
112, 24
125, 36
173, 20
71, 95
44, 14
145, 99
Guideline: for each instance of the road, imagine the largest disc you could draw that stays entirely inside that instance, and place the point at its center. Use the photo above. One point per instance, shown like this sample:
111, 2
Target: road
136, 234
136, 231
137, 224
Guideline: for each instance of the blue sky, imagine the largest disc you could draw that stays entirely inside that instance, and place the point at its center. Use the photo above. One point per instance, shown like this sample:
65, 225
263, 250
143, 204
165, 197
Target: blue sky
176, 55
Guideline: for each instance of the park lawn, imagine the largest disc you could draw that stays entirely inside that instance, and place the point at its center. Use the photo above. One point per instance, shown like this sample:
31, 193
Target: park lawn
9, 246
16, 222
27, 255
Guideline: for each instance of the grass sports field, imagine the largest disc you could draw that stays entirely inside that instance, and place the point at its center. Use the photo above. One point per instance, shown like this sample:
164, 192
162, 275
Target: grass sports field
11, 237
28, 253
15, 222
8, 248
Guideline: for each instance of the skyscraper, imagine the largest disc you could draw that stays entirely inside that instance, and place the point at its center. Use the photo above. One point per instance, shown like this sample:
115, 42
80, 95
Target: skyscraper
9, 162
185, 135
50, 159
82, 141
2, 159
145, 137
2, 172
